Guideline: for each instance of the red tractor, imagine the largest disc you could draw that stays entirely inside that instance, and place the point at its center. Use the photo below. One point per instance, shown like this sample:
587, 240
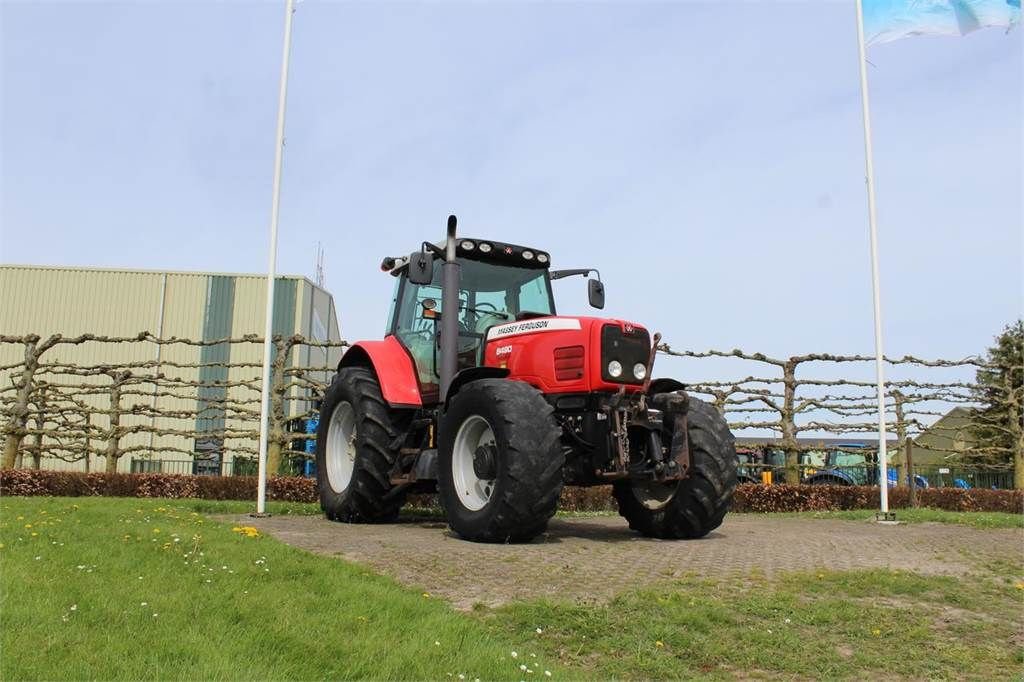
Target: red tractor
481, 392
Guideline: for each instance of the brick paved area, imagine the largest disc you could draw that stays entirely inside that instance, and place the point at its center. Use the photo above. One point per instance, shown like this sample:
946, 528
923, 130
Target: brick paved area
592, 559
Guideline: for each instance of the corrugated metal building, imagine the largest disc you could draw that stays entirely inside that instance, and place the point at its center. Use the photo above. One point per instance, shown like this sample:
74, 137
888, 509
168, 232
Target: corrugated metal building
188, 305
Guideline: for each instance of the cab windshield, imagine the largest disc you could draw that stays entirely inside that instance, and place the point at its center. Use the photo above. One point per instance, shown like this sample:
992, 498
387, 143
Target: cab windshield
489, 294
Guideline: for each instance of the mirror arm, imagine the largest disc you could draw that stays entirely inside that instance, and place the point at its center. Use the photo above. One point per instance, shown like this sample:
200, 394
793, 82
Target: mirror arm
434, 249
559, 274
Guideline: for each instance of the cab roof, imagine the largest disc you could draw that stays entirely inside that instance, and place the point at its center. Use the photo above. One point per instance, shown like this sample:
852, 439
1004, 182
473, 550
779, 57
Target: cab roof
488, 250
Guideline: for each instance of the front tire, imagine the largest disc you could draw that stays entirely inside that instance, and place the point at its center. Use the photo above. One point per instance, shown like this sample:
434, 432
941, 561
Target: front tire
354, 454
499, 462
695, 506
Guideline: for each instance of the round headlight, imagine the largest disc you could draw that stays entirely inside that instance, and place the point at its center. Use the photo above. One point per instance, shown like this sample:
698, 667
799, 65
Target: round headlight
542, 258
468, 245
639, 371
615, 369
485, 247
528, 255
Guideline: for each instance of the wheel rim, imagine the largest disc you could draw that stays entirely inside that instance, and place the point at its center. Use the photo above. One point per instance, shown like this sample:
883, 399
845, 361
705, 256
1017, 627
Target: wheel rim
474, 493
341, 446
654, 495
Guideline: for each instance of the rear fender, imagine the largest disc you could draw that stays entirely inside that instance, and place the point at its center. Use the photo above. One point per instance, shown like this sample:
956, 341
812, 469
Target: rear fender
472, 374
393, 367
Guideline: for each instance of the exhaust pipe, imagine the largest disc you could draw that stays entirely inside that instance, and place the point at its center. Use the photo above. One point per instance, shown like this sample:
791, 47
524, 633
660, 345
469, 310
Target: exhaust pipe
449, 340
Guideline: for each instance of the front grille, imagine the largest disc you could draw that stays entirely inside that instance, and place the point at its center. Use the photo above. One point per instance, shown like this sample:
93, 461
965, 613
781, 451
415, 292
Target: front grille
569, 363
628, 349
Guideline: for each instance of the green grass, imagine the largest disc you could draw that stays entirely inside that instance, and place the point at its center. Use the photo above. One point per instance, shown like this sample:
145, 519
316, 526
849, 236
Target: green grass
144, 589
922, 515
820, 625
229, 606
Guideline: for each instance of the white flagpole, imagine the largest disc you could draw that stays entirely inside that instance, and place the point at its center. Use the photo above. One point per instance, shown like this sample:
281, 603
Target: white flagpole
879, 353
268, 343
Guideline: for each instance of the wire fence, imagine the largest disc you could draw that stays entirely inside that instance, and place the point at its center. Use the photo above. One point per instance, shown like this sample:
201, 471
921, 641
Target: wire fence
175, 405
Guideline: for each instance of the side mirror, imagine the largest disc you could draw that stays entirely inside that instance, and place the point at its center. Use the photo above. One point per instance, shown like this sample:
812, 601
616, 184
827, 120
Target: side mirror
595, 291
421, 267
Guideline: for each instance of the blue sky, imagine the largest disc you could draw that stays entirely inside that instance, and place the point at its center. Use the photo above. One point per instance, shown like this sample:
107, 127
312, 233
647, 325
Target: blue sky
708, 158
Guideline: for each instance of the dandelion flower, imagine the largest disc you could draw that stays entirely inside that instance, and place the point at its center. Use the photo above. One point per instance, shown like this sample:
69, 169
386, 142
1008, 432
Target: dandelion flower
659, 644
876, 632
74, 607
515, 655
437, 643
547, 673
539, 631
522, 666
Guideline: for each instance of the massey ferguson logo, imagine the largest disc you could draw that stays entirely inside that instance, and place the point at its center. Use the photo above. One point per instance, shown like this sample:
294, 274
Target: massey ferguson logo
629, 328
548, 324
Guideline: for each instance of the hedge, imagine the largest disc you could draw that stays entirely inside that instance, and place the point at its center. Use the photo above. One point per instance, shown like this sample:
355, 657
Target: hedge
748, 498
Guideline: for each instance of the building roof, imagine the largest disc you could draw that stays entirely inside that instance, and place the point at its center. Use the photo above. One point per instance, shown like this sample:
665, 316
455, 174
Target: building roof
151, 271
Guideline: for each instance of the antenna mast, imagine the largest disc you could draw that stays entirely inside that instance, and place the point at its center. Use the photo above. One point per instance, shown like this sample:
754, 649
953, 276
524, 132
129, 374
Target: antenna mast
318, 265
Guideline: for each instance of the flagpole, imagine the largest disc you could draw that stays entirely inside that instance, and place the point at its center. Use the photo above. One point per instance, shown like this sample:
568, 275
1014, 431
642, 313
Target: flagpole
268, 329
875, 286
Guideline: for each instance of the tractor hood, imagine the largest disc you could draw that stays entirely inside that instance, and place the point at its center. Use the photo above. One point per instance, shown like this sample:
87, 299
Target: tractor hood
561, 354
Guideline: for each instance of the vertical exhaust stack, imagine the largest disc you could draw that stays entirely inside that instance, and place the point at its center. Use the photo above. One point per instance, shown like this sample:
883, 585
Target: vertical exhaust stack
449, 311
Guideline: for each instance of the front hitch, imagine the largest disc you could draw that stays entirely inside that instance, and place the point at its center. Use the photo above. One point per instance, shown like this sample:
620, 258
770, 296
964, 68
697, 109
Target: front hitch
675, 406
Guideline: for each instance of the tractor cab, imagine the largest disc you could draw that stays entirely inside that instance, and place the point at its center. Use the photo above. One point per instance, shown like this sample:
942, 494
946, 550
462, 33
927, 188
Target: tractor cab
498, 283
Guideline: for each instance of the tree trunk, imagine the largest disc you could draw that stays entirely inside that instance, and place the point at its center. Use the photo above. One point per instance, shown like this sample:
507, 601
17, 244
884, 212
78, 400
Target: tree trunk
788, 423
902, 445
276, 427
15, 428
1014, 415
113, 452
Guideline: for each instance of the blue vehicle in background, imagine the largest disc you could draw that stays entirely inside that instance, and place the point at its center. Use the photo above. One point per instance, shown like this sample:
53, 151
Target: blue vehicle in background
847, 464
302, 453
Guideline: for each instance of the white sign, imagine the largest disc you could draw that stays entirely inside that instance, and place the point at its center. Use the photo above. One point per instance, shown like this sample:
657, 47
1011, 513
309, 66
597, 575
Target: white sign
548, 324
943, 470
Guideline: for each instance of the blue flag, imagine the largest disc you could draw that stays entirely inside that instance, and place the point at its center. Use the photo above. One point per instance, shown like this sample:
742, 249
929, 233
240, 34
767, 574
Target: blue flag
886, 20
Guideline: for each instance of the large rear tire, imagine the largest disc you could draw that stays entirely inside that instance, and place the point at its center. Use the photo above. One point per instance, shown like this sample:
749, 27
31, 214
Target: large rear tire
354, 453
499, 462
695, 506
